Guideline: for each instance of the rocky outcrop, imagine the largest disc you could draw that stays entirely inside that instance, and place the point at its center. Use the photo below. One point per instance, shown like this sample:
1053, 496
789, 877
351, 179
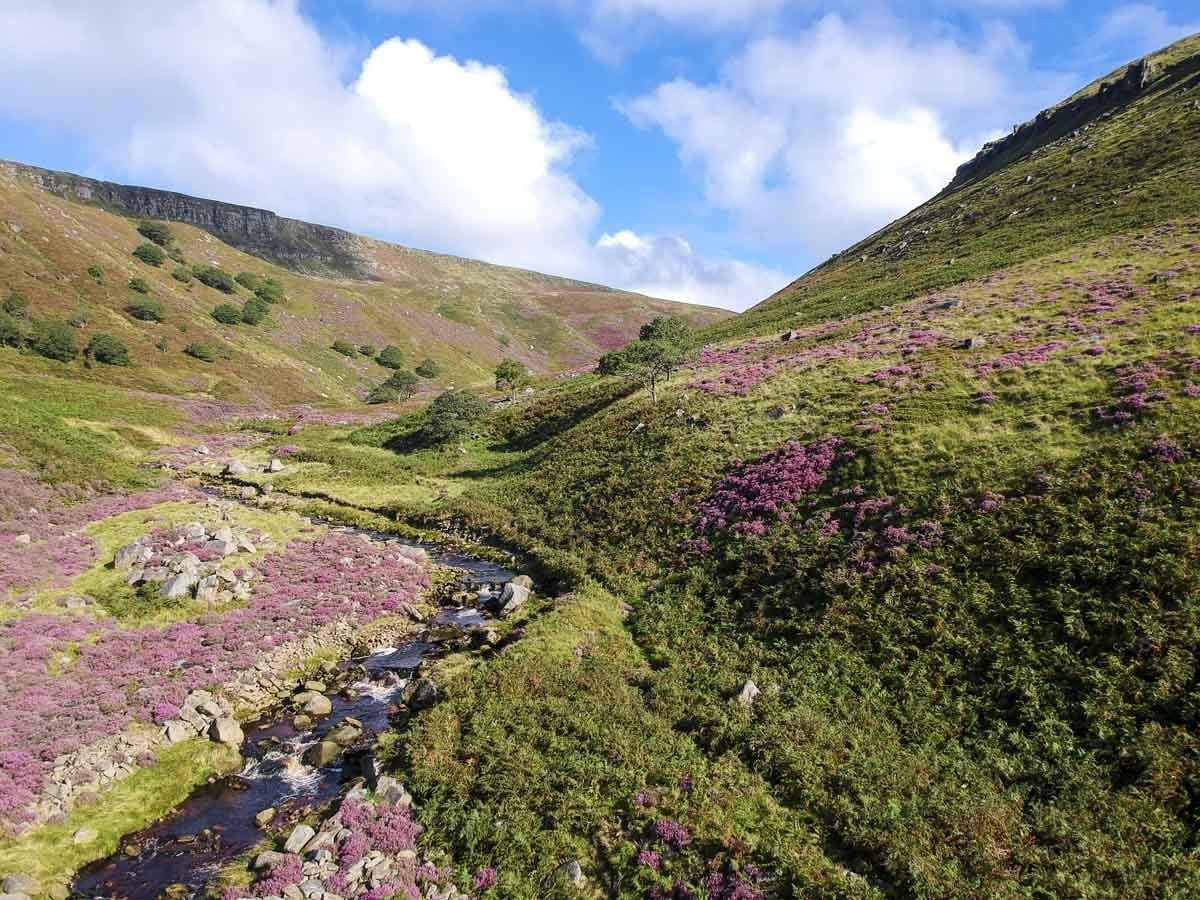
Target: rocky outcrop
1119, 89
300, 246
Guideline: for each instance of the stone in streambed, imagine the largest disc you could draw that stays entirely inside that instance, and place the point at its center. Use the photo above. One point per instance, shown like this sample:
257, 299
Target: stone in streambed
226, 731
345, 735
314, 704
420, 694
301, 722
299, 837
322, 754
264, 817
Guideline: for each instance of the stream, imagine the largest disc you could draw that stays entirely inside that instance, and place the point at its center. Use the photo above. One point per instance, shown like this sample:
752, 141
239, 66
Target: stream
216, 823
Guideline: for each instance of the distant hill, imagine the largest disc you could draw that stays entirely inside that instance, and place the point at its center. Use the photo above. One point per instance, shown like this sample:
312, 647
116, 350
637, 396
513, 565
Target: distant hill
461, 313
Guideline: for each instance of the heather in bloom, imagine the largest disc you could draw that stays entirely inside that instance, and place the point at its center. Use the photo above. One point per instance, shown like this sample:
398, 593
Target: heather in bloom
484, 879
649, 859
672, 834
758, 493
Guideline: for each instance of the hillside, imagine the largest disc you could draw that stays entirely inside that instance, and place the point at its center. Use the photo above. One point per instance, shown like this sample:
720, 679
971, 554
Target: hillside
463, 314
892, 594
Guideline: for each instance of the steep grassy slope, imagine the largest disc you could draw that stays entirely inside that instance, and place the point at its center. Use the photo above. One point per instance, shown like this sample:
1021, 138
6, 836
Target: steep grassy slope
949, 527
463, 314
1074, 173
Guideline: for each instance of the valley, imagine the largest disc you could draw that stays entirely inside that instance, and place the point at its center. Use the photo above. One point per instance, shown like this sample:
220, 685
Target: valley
890, 590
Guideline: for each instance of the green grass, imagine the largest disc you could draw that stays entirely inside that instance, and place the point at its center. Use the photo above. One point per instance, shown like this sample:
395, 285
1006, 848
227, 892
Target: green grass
50, 855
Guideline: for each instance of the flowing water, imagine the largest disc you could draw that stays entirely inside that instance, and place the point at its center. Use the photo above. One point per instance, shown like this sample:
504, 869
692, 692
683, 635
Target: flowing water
216, 823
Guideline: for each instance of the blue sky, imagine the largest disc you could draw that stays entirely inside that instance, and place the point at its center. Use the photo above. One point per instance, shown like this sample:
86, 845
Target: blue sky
704, 150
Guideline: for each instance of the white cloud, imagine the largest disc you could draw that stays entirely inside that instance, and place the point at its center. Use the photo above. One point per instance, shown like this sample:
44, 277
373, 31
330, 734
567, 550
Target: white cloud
244, 99
668, 266
1140, 28
819, 138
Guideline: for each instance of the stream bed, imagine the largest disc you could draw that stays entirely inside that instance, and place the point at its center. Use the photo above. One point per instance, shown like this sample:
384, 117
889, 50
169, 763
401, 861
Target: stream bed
216, 824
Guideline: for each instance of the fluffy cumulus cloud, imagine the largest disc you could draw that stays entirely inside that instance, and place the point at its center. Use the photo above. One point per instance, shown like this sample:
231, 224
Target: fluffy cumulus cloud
668, 266
820, 137
245, 99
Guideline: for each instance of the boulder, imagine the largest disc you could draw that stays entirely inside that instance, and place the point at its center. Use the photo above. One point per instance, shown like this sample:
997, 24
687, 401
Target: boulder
58, 892
420, 694
224, 533
389, 790
317, 687
275, 465
572, 874
264, 817
221, 548
19, 884
345, 735
208, 588
523, 581
180, 586
176, 731
322, 754
748, 694
235, 469
974, 343
15, 896
271, 858
22, 540
298, 839
226, 731
318, 705
512, 598
85, 835
131, 555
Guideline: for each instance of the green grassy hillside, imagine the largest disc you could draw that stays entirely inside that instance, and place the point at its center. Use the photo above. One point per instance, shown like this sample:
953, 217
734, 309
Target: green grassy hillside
72, 261
949, 527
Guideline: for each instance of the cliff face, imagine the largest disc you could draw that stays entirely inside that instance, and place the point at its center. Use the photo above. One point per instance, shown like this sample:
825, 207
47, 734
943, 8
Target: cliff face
1096, 102
300, 246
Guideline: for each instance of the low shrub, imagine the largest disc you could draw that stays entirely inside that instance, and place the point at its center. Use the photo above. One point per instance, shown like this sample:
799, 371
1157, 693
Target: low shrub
55, 340
400, 385
368, 350
452, 415
14, 332
150, 254
345, 348
16, 305
391, 357
429, 369
269, 290
227, 314
96, 273
255, 311
248, 280
215, 277
147, 309
106, 349
139, 285
202, 352
182, 274
158, 233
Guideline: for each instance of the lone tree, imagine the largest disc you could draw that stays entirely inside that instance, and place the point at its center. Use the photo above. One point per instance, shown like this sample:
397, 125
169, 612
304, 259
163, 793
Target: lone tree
648, 361
104, 348
391, 357
452, 415
511, 375
400, 385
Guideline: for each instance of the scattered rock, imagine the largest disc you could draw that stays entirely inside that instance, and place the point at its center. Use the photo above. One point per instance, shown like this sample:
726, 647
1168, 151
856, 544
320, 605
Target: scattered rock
317, 687
275, 465
180, 586
345, 735
22, 540
135, 554
974, 343
235, 469
85, 835
389, 790
270, 858
58, 892
420, 694
19, 884
298, 839
572, 873
176, 731
749, 693
322, 754
318, 705
207, 589
226, 731
513, 597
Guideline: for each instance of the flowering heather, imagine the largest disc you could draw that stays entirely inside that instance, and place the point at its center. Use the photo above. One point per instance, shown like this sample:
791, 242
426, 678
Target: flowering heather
729, 887
1019, 359
485, 879
672, 834
286, 450
122, 675
1166, 451
754, 494
649, 859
